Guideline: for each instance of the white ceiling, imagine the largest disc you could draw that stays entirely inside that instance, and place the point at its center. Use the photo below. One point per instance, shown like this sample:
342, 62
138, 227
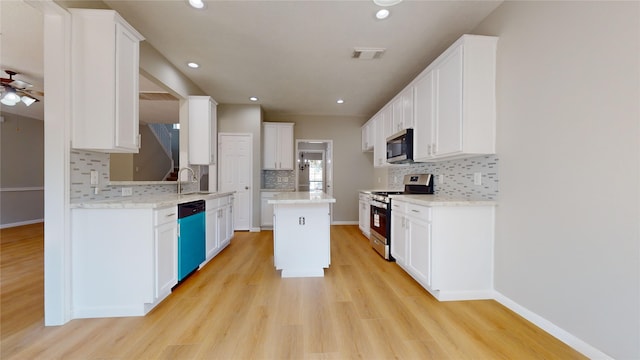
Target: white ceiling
294, 55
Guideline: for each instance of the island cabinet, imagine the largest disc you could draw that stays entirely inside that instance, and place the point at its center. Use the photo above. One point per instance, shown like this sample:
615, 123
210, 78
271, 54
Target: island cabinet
277, 149
104, 62
301, 233
455, 105
446, 248
203, 130
124, 260
218, 225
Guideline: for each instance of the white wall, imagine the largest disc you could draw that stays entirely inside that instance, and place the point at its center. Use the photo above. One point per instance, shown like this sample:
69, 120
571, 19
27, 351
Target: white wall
568, 96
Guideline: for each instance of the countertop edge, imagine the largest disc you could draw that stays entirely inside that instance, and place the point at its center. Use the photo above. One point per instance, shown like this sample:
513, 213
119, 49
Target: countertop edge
434, 200
148, 202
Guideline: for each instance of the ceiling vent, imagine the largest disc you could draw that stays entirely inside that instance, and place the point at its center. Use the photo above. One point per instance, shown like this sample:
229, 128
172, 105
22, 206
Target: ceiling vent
367, 53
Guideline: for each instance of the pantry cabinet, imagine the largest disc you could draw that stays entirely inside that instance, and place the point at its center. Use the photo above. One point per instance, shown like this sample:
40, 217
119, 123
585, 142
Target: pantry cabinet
105, 61
448, 249
277, 149
203, 130
455, 114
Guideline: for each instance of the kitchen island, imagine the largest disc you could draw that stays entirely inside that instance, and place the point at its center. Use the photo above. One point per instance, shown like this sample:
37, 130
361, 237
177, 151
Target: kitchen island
301, 233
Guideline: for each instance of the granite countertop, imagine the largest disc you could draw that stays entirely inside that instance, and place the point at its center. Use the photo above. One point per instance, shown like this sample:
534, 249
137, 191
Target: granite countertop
440, 200
149, 201
301, 197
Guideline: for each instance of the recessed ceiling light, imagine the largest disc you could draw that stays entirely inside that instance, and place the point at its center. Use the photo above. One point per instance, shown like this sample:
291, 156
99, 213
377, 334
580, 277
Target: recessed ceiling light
382, 14
340, 101
196, 4
193, 65
253, 98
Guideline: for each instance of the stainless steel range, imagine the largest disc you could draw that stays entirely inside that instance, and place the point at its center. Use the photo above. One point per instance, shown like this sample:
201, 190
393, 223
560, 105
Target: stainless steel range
381, 211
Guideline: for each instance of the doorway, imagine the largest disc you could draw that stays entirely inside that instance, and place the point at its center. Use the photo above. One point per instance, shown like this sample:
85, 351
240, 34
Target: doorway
314, 166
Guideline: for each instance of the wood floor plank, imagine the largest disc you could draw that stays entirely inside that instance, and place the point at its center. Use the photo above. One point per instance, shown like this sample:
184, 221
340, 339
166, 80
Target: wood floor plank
238, 307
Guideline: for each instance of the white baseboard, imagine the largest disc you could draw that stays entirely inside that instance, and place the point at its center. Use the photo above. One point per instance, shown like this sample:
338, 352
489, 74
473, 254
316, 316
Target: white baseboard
551, 328
344, 223
28, 222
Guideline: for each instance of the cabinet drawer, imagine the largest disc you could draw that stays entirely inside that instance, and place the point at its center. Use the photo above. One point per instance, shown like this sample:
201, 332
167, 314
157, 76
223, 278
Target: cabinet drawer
212, 204
165, 215
398, 206
419, 211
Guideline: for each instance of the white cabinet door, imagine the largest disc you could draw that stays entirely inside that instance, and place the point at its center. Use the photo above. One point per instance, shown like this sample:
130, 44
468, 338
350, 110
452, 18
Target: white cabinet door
380, 146
266, 209
229, 220
424, 103
419, 259
285, 146
399, 237
397, 120
105, 58
448, 139
364, 216
166, 258
277, 148
203, 130
211, 230
407, 108
368, 136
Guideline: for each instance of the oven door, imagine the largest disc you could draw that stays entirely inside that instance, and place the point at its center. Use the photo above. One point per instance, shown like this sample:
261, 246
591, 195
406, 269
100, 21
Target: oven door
379, 229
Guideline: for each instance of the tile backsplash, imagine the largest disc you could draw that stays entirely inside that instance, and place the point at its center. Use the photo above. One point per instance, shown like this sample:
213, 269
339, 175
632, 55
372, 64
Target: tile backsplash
83, 162
278, 179
458, 177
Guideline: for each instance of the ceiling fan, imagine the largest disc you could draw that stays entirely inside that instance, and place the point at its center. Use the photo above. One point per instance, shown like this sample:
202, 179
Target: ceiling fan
14, 91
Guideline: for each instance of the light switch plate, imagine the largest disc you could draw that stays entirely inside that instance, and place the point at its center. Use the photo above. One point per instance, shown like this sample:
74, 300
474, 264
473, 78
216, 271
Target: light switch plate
441, 179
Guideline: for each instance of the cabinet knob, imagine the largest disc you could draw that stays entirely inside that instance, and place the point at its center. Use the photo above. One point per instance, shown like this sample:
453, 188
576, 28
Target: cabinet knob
246, 188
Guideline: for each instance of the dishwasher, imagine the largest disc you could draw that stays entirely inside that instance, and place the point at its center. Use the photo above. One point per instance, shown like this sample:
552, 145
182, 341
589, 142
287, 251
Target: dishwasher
191, 237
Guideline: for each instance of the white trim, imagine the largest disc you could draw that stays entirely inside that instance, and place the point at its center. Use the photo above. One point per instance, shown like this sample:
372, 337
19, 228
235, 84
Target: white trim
41, 188
551, 328
21, 223
345, 223
254, 229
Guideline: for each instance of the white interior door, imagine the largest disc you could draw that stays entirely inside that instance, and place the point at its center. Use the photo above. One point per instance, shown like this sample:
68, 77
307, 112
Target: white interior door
235, 174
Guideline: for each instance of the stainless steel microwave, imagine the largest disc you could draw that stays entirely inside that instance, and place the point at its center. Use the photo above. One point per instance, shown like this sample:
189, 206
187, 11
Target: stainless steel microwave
400, 147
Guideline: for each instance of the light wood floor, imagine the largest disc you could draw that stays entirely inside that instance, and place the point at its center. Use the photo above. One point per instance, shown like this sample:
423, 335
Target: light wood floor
238, 307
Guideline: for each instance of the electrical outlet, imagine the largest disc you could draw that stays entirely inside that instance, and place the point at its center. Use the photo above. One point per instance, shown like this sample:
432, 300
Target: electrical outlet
127, 191
477, 178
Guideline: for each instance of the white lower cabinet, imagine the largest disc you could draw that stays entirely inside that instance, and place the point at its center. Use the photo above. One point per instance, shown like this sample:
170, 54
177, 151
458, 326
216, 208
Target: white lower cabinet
364, 218
266, 209
219, 225
124, 261
447, 249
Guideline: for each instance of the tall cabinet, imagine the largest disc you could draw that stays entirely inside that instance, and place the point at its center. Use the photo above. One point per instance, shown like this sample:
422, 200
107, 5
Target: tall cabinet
105, 60
277, 146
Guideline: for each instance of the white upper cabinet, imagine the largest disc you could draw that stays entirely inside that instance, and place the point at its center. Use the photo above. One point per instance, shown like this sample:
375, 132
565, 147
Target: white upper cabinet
277, 149
368, 136
203, 130
424, 114
402, 106
380, 145
104, 70
455, 102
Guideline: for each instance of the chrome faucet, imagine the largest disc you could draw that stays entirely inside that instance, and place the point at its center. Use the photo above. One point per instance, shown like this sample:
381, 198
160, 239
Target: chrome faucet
193, 177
